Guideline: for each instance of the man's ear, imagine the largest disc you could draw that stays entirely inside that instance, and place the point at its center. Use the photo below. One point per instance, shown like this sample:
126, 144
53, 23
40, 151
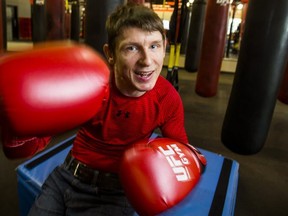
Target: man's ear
108, 54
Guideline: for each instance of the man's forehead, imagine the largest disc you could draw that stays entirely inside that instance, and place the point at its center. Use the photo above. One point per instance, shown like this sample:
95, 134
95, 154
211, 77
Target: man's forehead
136, 34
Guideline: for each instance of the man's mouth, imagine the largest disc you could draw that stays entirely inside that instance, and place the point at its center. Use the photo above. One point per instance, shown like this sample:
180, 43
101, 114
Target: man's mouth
143, 74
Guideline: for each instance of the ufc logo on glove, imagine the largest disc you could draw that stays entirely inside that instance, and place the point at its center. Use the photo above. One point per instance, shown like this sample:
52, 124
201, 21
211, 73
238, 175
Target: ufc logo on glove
178, 166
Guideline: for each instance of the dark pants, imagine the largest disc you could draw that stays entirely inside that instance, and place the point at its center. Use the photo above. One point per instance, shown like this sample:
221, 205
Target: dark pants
63, 194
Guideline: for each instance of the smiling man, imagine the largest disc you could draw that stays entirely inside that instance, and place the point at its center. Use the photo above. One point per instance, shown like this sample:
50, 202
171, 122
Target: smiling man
137, 61
138, 102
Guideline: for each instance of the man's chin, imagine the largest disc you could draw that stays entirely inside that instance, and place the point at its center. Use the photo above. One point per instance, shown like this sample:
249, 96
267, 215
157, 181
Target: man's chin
145, 88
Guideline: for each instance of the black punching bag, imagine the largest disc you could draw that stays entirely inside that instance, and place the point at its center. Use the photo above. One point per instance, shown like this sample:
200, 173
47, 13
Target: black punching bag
39, 22
260, 68
97, 12
3, 37
75, 21
195, 35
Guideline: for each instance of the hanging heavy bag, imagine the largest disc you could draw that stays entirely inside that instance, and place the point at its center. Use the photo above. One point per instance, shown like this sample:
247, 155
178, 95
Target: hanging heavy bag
261, 63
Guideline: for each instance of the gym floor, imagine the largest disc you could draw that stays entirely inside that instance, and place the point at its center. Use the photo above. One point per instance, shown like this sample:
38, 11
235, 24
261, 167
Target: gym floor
263, 177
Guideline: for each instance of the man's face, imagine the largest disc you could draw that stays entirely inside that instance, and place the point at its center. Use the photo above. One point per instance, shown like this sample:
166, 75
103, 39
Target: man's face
138, 61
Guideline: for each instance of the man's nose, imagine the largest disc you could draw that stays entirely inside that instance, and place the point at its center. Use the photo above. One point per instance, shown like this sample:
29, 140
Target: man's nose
146, 57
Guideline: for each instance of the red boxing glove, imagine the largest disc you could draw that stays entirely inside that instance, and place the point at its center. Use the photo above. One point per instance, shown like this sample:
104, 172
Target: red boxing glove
22, 147
159, 173
52, 88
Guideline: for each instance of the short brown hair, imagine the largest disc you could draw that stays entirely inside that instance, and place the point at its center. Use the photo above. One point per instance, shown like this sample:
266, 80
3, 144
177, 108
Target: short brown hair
132, 15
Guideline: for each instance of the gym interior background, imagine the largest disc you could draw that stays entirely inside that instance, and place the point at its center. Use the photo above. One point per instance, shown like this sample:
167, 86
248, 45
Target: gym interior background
263, 175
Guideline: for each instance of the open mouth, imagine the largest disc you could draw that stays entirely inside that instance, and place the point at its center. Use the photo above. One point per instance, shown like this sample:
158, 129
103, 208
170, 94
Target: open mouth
143, 75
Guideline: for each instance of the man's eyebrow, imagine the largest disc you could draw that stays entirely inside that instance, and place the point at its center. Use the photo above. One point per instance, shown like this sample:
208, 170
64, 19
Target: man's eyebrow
158, 41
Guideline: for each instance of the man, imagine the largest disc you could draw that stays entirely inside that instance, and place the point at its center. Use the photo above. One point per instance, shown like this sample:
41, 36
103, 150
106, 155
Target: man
139, 101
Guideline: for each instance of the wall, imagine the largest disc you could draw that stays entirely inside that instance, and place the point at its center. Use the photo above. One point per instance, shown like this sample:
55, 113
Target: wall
24, 8
24, 17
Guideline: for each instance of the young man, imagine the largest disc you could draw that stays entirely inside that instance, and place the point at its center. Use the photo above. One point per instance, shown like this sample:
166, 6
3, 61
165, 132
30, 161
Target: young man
139, 101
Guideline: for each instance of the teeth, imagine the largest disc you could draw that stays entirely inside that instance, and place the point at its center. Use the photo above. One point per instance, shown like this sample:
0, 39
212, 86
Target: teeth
143, 74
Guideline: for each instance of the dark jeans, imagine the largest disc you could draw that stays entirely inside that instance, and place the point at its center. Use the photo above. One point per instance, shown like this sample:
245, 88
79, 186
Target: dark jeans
64, 194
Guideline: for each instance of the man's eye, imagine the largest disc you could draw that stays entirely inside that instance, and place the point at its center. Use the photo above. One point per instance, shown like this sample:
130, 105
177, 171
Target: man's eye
131, 48
155, 46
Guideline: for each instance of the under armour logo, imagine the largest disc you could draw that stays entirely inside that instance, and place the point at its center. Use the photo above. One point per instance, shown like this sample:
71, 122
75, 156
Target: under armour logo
122, 113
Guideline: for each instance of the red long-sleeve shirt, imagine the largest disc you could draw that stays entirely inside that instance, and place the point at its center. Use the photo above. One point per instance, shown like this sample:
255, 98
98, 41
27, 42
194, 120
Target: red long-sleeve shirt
124, 120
